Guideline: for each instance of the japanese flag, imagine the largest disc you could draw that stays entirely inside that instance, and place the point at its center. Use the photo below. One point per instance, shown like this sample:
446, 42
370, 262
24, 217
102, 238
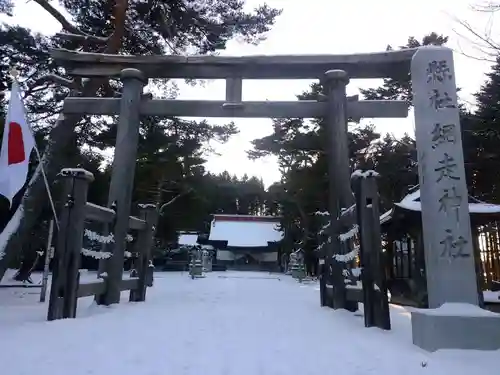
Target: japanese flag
17, 144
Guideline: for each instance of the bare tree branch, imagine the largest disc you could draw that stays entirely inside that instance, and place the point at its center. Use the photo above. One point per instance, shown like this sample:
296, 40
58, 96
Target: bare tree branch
66, 25
165, 205
482, 43
487, 7
54, 78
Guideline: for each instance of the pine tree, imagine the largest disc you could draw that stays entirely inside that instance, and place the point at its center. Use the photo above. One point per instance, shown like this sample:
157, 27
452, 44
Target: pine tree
6, 7
488, 103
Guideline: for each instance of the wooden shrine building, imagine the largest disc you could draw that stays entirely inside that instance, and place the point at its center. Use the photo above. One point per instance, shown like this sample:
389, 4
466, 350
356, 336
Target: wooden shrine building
403, 246
246, 242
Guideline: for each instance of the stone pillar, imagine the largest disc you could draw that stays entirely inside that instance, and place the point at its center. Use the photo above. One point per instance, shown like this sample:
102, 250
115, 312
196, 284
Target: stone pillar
122, 177
339, 172
448, 244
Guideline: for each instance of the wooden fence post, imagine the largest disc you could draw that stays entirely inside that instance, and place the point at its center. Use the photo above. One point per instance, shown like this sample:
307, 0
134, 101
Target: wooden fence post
381, 311
63, 294
145, 238
365, 249
376, 304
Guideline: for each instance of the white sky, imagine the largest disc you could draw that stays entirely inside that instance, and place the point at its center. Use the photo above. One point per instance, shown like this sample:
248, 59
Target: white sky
323, 27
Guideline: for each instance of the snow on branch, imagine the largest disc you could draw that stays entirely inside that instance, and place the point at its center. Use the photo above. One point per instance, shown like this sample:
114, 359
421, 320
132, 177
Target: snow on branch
199, 5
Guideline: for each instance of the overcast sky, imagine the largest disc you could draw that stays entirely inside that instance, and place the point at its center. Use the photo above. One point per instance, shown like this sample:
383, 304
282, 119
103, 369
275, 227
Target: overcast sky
324, 27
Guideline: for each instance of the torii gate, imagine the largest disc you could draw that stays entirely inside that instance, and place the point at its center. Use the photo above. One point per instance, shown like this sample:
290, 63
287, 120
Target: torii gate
451, 273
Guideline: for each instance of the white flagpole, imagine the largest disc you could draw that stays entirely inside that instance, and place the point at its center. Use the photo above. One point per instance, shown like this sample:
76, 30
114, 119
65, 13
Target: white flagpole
14, 73
52, 205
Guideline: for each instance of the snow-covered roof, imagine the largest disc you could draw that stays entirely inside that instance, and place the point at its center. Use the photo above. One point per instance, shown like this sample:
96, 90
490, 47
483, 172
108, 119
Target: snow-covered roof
412, 202
188, 239
245, 230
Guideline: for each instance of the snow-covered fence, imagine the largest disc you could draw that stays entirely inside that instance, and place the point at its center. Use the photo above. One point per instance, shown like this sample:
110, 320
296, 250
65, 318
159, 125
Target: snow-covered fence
361, 240
66, 286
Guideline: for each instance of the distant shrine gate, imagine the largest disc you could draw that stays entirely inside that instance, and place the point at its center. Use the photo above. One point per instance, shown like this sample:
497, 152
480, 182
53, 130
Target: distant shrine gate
451, 274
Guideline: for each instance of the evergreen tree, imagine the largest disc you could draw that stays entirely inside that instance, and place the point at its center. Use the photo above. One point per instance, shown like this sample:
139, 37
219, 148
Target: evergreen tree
482, 140
6, 7
400, 89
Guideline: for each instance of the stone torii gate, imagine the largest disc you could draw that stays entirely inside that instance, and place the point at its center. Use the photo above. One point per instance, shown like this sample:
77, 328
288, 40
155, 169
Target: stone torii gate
451, 272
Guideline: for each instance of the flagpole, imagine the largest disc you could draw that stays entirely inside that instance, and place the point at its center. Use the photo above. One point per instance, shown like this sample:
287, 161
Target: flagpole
14, 73
52, 205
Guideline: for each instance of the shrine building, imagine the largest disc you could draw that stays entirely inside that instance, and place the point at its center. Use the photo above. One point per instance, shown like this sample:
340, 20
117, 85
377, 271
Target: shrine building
246, 242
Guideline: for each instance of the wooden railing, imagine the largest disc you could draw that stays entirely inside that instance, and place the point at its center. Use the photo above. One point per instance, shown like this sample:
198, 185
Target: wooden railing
66, 286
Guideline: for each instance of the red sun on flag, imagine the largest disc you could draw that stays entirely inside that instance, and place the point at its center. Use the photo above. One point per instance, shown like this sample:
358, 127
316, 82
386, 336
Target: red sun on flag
15, 145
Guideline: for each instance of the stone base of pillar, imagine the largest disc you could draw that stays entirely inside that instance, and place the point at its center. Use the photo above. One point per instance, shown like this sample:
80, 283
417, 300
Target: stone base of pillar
456, 326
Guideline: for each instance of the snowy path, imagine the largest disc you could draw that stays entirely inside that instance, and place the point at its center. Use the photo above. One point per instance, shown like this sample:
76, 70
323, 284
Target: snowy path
225, 324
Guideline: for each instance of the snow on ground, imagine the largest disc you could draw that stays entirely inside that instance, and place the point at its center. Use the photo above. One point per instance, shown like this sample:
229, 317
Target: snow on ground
227, 323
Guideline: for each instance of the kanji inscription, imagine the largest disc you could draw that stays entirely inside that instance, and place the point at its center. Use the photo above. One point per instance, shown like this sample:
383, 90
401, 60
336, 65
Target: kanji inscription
441, 100
454, 247
447, 168
443, 133
438, 71
450, 202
